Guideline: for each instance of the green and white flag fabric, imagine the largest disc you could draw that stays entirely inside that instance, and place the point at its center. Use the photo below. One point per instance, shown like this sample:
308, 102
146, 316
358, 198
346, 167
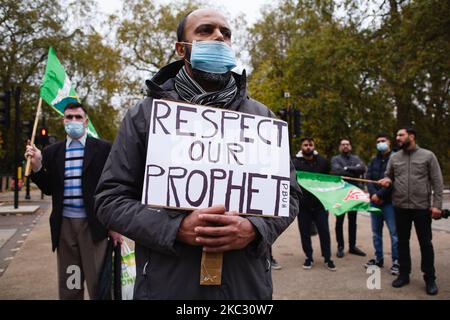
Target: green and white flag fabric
336, 195
57, 89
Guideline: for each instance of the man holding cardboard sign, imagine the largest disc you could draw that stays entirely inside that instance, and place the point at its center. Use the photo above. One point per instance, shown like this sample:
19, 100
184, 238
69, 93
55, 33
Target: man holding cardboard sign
188, 162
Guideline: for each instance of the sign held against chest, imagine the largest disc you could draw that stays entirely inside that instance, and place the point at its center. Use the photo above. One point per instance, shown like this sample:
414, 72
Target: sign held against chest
200, 156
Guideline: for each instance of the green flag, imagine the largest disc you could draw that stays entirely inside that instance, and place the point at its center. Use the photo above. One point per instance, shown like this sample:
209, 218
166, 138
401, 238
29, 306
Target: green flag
57, 89
336, 195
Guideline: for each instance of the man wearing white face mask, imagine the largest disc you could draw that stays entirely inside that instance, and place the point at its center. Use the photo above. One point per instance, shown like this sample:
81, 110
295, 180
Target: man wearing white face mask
380, 197
169, 243
69, 171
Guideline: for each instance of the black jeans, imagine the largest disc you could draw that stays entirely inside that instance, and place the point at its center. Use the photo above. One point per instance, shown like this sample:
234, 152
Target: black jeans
422, 223
320, 218
351, 229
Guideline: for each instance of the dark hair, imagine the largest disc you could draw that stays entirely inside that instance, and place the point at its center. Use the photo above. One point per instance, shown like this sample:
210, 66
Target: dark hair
348, 139
75, 105
409, 130
383, 135
310, 139
180, 27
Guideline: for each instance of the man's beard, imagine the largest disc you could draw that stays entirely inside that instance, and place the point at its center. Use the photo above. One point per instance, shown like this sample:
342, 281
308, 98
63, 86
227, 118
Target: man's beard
405, 144
308, 153
219, 80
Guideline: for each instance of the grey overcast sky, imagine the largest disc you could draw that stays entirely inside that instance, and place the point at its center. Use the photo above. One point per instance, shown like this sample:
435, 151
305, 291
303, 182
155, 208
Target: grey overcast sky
250, 8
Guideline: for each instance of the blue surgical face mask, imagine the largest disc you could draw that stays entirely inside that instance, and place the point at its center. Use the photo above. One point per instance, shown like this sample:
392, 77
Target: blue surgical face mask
382, 146
212, 56
74, 129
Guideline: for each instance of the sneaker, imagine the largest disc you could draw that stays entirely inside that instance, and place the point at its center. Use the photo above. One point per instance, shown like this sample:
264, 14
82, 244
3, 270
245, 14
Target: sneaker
395, 269
330, 265
274, 265
308, 264
374, 262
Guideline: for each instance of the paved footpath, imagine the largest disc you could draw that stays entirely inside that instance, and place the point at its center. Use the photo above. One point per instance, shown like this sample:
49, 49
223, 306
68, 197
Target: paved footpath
350, 280
32, 272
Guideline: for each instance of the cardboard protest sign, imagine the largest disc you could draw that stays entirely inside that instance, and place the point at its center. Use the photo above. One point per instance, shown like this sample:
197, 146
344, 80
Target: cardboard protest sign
200, 156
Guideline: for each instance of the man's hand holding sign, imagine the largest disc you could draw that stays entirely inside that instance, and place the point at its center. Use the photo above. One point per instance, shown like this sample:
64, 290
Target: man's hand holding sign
221, 164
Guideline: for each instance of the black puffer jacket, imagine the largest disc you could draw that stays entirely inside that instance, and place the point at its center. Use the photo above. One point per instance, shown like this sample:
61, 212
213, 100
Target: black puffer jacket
166, 268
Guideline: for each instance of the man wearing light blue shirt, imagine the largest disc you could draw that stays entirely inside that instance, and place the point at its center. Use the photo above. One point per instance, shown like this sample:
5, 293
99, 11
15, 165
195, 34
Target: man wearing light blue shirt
69, 171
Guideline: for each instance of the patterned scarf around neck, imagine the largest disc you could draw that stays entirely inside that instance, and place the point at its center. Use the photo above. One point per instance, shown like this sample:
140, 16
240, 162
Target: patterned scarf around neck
190, 90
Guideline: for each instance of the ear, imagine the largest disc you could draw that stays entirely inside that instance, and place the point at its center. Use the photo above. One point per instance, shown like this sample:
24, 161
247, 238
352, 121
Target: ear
179, 48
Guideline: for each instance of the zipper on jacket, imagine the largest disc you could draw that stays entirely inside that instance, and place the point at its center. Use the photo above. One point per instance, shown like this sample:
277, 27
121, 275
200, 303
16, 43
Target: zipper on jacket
144, 270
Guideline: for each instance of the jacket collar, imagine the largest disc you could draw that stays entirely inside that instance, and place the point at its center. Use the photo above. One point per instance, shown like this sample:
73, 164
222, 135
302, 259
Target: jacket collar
162, 84
89, 153
60, 156
411, 150
82, 140
380, 155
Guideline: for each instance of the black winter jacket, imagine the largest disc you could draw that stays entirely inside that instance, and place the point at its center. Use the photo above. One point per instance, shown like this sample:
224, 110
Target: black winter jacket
165, 267
375, 171
50, 179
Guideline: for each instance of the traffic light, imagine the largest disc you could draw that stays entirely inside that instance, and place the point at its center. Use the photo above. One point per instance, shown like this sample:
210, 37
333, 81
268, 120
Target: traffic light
43, 136
298, 123
5, 107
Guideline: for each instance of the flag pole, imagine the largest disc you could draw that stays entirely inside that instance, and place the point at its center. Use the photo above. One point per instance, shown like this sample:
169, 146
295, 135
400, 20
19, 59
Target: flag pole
359, 179
33, 136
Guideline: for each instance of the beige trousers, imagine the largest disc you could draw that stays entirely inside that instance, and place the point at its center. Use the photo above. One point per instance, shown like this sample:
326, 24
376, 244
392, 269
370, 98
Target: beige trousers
79, 259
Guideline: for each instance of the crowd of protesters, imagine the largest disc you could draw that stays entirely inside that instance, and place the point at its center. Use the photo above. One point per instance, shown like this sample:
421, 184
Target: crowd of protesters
97, 192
